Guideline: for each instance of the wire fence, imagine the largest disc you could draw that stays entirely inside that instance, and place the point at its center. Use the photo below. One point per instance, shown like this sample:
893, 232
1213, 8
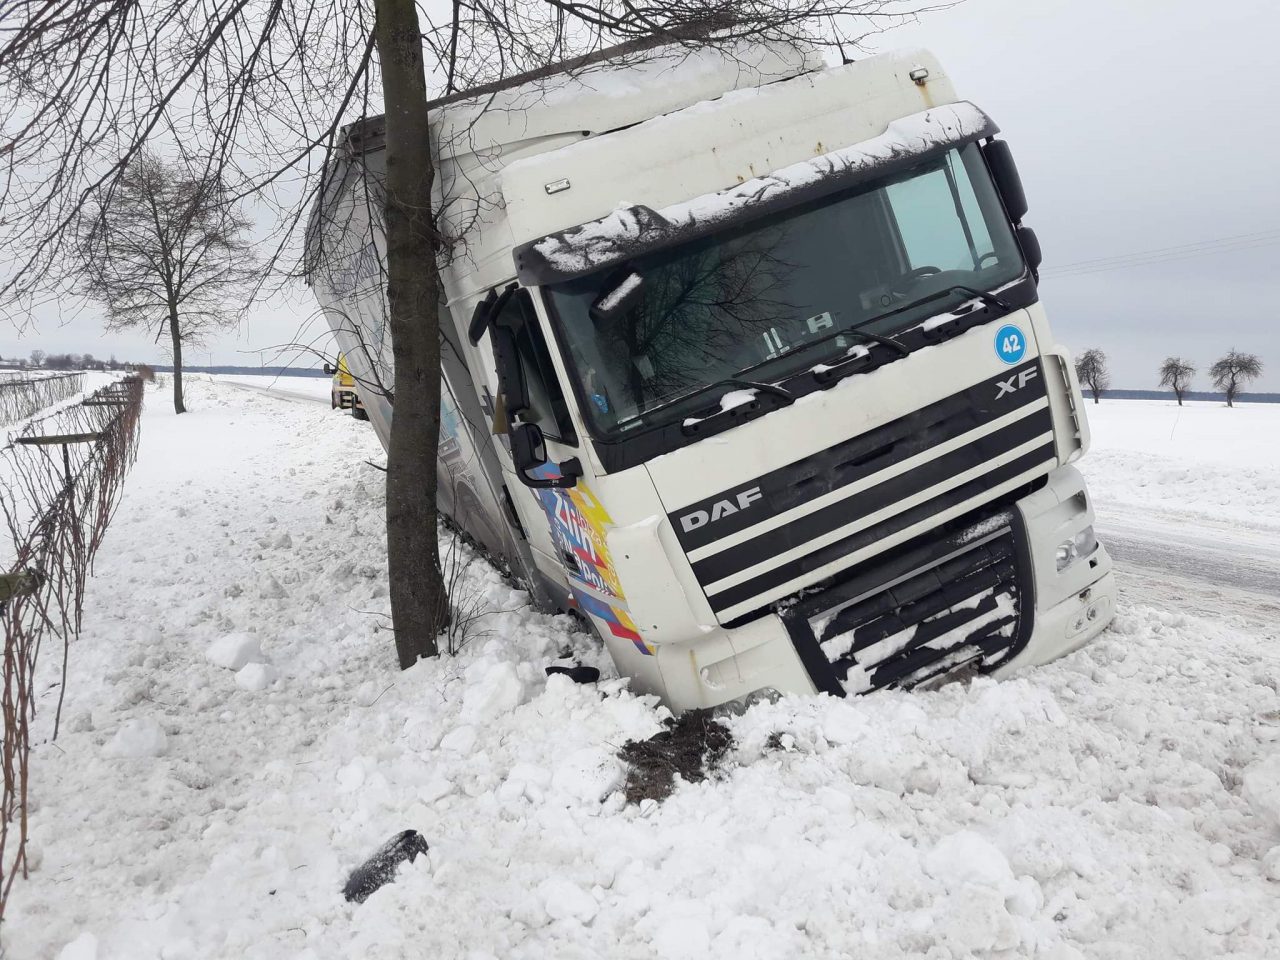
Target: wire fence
63, 477
26, 396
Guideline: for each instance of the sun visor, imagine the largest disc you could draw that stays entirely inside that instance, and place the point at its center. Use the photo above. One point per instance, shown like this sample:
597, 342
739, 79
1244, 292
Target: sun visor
633, 231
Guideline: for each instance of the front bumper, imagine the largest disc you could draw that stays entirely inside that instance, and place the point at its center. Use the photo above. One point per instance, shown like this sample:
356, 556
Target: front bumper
1058, 611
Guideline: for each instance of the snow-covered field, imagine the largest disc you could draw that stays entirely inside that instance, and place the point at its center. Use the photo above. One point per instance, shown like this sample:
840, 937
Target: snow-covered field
1121, 803
1201, 460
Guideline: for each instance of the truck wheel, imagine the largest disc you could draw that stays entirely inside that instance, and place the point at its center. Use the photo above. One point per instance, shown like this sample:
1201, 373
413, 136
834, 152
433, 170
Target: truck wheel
333, 400
360, 413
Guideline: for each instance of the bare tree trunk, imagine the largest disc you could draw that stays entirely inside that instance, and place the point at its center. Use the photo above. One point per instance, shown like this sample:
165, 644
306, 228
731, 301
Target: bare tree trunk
419, 605
175, 335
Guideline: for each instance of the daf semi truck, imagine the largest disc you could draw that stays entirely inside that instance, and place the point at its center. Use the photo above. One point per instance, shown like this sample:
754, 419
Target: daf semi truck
744, 362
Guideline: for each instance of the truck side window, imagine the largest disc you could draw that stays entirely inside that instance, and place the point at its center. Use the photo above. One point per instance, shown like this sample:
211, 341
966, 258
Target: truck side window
547, 407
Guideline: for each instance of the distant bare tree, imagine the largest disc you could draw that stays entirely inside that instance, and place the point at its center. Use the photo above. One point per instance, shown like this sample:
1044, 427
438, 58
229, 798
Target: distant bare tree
37, 358
1176, 374
166, 250
1091, 368
1233, 371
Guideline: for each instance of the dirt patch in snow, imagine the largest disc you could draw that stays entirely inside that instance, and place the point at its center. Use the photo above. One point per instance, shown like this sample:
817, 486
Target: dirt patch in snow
692, 746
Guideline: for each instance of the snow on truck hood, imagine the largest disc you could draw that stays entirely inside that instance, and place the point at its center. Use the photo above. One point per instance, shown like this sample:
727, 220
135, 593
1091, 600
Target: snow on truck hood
632, 230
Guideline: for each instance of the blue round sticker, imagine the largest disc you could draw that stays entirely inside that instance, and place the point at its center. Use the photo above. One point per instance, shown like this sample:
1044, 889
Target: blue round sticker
1011, 345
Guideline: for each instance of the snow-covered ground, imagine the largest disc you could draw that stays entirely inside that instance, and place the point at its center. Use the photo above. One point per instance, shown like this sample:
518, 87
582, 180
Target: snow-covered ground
1201, 460
1121, 803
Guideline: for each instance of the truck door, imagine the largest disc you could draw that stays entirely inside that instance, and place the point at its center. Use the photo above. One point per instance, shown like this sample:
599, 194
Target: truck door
537, 509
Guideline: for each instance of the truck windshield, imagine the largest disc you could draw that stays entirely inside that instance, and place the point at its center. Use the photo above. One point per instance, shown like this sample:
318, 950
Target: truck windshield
752, 299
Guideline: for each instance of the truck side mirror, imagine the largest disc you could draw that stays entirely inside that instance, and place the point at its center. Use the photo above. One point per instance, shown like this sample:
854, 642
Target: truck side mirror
328, 370
529, 451
480, 317
1008, 181
1031, 251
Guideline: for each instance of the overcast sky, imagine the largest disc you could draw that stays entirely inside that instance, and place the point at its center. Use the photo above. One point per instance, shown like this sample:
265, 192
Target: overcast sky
1140, 127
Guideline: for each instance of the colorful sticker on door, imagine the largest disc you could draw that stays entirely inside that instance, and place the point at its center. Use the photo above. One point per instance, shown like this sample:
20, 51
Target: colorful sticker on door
578, 522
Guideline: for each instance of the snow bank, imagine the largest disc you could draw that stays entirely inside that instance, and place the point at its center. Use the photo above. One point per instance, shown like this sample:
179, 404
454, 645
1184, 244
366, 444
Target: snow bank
1093, 808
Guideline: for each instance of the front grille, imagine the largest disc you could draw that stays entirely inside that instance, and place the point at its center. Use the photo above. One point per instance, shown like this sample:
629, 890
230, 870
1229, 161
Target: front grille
804, 523
936, 607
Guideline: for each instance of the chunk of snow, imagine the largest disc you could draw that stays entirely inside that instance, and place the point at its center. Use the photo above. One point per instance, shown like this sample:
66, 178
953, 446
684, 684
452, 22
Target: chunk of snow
737, 398
1271, 864
984, 528
563, 900
234, 650
587, 775
255, 676
460, 739
83, 947
856, 352
965, 858
350, 777
618, 295
844, 726
499, 691
1262, 789
139, 737
271, 589
682, 938
734, 398
525, 780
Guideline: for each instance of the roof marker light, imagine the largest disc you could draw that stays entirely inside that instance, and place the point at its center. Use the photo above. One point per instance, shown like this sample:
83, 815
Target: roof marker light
920, 75
557, 186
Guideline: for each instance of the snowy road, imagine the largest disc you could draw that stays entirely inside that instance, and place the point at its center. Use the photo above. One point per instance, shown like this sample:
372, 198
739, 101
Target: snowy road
1219, 555
305, 389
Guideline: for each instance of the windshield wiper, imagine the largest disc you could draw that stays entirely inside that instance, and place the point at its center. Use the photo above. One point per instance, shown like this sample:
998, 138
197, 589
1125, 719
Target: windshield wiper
990, 299
898, 345
772, 389
857, 362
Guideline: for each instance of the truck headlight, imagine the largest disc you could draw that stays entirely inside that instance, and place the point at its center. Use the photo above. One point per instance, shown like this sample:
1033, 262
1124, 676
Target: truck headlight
1081, 545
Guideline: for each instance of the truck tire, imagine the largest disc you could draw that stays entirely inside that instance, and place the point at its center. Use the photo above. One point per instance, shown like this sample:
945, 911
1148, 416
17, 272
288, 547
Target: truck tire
360, 413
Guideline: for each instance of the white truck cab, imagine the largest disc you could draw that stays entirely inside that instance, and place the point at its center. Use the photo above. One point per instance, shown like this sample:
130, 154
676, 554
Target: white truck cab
745, 363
